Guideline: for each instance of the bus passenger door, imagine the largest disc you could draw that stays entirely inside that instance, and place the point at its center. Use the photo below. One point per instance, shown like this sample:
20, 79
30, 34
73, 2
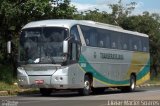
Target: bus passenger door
74, 45
75, 75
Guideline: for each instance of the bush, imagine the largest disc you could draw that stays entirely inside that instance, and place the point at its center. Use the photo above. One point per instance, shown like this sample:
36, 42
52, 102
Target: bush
6, 74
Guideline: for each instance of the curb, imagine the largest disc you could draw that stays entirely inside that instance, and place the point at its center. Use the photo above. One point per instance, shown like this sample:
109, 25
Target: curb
7, 93
4, 93
11, 93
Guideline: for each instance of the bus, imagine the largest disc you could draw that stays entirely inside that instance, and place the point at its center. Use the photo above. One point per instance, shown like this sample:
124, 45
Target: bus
81, 55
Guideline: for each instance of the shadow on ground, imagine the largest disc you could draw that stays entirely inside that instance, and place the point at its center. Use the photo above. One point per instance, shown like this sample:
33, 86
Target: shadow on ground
61, 94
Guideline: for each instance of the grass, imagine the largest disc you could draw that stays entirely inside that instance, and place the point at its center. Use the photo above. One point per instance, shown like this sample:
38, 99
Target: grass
8, 87
155, 80
15, 90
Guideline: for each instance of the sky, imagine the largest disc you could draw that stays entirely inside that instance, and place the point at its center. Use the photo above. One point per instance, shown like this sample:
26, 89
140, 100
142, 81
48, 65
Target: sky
152, 6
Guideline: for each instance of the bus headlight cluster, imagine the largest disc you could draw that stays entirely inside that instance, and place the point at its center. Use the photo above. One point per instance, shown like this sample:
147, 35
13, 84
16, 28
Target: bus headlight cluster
21, 80
58, 78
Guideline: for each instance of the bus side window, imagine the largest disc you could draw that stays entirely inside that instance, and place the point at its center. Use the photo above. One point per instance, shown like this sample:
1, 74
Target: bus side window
87, 38
140, 45
133, 44
74, 45
144, 49
145, 45
107, 41
125, 46
87, 41
93, 37
135, 47
101, 44
136, 43
86, 33
101, 38
113, 45
75, 33
114, 40
119, 38
125, 41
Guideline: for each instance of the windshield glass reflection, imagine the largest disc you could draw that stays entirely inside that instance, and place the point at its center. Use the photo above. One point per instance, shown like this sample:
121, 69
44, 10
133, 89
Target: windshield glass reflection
42, 45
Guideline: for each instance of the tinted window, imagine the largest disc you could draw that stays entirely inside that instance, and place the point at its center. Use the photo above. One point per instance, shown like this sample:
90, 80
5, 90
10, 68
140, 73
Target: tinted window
103, 38
125, 41
90, 35
75, 33
114, 40
145, 44
136, 43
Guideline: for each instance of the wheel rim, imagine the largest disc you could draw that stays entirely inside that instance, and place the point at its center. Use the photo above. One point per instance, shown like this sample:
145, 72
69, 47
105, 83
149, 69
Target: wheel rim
132, 84
87, 85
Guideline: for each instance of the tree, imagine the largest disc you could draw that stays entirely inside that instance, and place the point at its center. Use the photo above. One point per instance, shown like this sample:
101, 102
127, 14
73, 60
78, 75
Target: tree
149, 24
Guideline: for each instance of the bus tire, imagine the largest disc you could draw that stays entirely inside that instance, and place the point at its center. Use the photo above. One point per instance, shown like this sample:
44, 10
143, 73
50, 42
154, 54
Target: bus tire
132, 85
86, 90
45, 91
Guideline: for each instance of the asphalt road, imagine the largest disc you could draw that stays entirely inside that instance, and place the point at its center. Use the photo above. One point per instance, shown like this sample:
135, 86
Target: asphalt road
142, 96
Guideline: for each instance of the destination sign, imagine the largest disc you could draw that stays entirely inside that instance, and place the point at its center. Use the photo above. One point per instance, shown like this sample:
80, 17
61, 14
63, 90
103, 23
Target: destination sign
111, 56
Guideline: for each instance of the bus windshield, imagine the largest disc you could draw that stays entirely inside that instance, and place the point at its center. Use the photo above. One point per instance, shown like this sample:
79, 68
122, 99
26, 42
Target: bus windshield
42, 45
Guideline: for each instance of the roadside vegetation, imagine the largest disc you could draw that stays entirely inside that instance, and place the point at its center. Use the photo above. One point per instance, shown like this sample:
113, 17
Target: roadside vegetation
8, 87
14, 14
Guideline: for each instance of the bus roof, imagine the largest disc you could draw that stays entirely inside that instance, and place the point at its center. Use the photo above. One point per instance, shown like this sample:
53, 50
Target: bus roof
69, 23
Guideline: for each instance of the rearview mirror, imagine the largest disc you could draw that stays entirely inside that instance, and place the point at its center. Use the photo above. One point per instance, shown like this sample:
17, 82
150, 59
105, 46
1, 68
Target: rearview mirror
65, 47
9, 47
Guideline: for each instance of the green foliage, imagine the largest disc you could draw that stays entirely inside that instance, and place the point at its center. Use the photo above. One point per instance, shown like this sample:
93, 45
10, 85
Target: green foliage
6, 74
8, 87
148, 24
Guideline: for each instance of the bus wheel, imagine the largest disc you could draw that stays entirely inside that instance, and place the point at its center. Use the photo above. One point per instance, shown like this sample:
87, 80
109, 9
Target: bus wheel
45, 91
132, 83
132, 86
87, 86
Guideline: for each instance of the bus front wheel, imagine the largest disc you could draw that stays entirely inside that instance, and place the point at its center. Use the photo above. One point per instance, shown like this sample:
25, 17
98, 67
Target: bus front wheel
87, 86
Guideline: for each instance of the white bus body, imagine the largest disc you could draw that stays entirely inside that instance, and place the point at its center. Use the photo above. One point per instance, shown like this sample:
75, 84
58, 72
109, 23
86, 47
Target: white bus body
84, 55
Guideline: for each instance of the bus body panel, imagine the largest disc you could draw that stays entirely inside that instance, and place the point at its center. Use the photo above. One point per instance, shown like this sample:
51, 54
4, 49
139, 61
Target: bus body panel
109, 67
113, 67
69, 77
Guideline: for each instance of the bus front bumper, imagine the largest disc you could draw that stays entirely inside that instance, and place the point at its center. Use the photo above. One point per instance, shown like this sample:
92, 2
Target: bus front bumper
57, 80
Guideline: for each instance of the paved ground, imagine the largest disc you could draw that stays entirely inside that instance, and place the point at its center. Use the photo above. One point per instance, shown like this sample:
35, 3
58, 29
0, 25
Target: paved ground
142, 96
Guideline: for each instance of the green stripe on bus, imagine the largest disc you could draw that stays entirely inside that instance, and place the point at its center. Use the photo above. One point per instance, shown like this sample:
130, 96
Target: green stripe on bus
144, 71
100, 77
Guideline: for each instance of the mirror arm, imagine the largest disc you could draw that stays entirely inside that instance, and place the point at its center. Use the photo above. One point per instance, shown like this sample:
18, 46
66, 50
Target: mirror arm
9, 47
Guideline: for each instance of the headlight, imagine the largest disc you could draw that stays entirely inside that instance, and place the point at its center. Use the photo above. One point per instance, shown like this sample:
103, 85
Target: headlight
21, 71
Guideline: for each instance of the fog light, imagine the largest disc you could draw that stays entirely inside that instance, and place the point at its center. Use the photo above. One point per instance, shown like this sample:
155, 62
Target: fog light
20, 80
61, 78
56, 78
